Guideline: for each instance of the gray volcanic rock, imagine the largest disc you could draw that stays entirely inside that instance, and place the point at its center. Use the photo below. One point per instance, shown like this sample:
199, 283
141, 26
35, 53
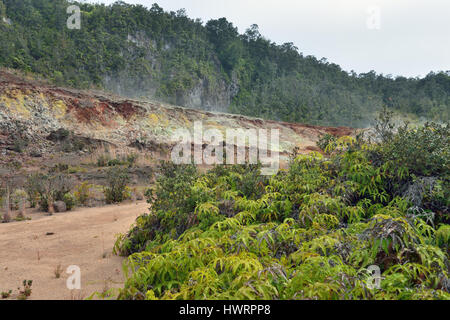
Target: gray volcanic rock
60, 206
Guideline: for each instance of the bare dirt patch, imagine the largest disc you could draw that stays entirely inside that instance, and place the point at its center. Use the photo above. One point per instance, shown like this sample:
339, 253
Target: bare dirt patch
33, 250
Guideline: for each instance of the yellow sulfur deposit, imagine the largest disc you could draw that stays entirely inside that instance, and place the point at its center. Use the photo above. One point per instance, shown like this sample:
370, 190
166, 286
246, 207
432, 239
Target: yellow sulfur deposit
14, 100
59, 109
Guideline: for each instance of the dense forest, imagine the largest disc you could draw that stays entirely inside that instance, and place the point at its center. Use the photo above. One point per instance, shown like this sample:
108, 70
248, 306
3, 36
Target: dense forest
147, 52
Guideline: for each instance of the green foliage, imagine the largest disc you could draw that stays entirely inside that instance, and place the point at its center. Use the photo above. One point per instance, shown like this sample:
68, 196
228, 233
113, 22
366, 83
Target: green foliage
70, 201
131, 159
18, 198
117, 179
309, 232
105, 160
114, 162
443, 236
384, 125
326, 141
425, 151
82, 193
42, 187
20, 145
25, 291
6, 294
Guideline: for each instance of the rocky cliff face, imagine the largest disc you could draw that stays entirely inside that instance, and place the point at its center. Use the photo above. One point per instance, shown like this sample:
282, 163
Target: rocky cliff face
203, 95
213, 93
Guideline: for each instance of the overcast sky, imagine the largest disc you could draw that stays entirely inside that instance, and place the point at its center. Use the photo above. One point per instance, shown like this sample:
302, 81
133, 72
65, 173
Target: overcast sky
397, 37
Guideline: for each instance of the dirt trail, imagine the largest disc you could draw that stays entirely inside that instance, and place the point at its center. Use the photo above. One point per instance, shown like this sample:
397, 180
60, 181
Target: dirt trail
84, 237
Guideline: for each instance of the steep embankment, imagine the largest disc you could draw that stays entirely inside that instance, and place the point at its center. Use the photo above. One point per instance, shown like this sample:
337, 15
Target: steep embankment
32, 114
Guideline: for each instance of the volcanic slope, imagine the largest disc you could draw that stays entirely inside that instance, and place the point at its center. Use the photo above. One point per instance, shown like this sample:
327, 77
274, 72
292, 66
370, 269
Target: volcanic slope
39, 113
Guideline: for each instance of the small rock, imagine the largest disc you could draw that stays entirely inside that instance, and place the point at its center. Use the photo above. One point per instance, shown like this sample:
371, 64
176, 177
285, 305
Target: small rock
60, 206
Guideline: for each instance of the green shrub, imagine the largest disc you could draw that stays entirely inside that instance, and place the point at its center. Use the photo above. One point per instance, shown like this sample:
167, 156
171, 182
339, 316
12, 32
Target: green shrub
33, 188
106, 160
384, 125
325, 141
310, 232
425, 151
115, 162
6, 294
443, 236
131, 159
43, 203
18, 198
70, 201
20, 145
117, 179
44, 187
83, 193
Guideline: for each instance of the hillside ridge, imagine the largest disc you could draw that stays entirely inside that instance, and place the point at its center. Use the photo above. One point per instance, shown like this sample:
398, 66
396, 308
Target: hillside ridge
34, 112
139, 52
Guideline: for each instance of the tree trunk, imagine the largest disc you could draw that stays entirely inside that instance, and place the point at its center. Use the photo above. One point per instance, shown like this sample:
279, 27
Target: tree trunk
7, 214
